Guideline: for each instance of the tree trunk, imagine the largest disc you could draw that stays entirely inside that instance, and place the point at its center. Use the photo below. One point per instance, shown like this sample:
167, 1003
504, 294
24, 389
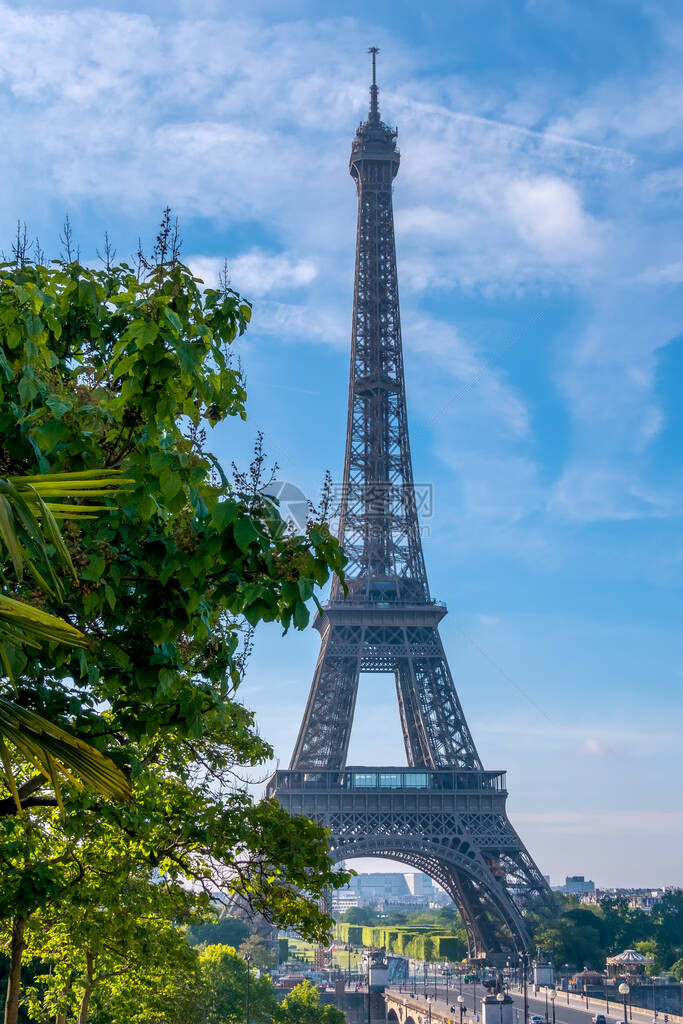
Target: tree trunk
14, 979
61, 1017
87, 990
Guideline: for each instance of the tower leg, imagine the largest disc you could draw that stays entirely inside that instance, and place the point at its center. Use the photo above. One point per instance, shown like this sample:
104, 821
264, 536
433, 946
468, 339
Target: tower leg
326, 729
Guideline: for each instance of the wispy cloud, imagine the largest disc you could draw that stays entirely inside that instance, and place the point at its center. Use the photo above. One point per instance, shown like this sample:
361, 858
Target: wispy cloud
607, 822
256, 273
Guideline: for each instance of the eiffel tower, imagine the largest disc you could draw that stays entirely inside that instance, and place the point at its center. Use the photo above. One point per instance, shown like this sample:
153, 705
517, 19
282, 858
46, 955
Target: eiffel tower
443, 814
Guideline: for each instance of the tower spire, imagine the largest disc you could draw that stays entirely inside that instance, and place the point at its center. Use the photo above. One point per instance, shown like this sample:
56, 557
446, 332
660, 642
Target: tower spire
374, 107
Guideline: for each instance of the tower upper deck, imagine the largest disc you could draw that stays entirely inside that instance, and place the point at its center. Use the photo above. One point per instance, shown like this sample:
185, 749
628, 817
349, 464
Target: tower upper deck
374, 140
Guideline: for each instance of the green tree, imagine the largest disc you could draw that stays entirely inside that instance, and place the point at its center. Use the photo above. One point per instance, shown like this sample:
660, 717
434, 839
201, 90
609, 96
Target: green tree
649, 948
624, 925
667, 922
130, 370
570, 943
359, 915
676, 970
228, 931
302, 1006
111, 924
100, 365
223, 975
261, 954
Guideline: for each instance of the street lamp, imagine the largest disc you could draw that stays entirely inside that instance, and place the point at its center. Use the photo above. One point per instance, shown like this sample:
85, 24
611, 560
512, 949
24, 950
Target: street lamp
501, 999
476, 1014
553, 996
247, 960
524, 983
624, 991
461, 1004
429, 1010
546, 1004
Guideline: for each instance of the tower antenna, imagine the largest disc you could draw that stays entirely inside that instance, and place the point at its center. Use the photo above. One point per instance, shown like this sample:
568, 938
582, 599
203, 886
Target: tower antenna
374, 107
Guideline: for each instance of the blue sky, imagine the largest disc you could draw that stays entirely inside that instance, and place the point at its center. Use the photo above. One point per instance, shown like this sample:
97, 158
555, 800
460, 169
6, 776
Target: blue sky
541, 178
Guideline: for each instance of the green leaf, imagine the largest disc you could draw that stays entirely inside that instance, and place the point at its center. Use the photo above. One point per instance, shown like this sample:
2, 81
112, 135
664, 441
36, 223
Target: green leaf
171, 483
245, 533
95, 567
300, 615
148, 333
34, 325
173, 319
28, 389
57, 406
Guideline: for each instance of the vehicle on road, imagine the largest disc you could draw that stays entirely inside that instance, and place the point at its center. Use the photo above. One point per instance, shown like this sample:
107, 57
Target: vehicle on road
599, 1018
536, 1018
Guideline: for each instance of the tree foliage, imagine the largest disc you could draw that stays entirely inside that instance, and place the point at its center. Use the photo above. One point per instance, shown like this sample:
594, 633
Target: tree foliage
259, 952
676, 970
584, 936
126, 370
224, 989
228, 931
302, 1006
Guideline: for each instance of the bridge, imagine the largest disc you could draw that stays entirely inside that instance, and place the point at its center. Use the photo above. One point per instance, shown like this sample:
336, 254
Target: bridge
414, 1008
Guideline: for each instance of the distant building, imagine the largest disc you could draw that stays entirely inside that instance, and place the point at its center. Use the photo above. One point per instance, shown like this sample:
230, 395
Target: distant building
419, 883
581, 981
343, 900
576, 885
383, 890
645, 899
379, 886
638, 899
409, 902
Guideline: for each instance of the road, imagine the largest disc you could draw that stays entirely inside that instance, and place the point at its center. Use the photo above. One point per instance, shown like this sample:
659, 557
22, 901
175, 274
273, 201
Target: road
564, 1014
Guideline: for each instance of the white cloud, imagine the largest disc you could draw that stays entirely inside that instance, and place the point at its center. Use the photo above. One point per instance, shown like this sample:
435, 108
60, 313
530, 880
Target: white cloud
594, 494
669, 273
302, 323
256, 273
594, 747
172, 111
607, 822
548, 214
488, 620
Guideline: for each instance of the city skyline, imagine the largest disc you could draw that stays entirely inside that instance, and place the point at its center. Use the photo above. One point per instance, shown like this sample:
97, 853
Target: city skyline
531, 212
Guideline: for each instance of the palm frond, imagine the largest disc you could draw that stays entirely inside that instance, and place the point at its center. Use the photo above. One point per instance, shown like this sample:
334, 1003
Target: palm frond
29, 509
21, 620
55, 752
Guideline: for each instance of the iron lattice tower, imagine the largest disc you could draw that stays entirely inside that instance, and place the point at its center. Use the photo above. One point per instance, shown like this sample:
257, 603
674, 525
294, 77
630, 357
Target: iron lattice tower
443, 814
